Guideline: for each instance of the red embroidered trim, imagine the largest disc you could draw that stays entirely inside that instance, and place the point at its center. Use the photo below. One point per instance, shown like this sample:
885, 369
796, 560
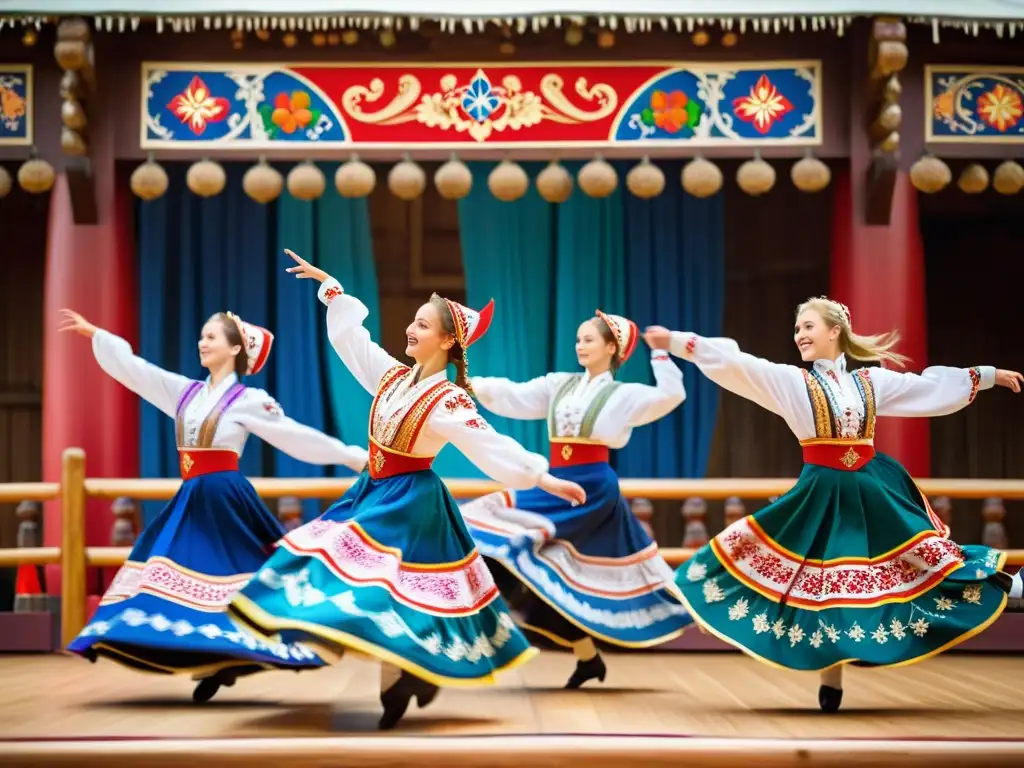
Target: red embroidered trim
460, 400
691, 345
332, 293
477, 423
975, 374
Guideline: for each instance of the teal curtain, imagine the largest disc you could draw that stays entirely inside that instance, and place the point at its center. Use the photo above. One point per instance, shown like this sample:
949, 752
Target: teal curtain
508, 254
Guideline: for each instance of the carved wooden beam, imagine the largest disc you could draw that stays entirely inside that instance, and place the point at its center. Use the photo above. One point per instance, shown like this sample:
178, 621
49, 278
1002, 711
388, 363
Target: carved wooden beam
887, 58
74, 53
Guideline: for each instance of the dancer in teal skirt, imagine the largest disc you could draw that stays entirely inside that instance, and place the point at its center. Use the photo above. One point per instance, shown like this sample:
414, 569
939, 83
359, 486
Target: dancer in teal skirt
390, 570
851, 565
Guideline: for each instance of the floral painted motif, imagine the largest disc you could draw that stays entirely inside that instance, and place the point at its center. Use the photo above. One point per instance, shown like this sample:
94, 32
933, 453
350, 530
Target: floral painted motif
763, 107
196, 107
289, 113
672, 111
1001, 107
12, 108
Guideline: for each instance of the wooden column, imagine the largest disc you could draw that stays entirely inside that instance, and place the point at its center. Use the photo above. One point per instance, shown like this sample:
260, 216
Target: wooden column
74, 53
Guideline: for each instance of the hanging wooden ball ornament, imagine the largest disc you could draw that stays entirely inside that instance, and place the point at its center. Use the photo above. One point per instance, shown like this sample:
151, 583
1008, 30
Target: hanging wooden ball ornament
306, 181
1008, 178
206, 178
554, 183
645, 179
355, 178
149, 180
702, 178
5, 182
508, 181
973, 179
453, 179
36, 176
406, 180
262, 182
755, 177
930, 175
597, 178
809, 174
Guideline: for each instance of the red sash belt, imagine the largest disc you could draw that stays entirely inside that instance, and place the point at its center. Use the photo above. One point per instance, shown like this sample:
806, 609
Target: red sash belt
847, 456
387, 463
194, 462
571, 454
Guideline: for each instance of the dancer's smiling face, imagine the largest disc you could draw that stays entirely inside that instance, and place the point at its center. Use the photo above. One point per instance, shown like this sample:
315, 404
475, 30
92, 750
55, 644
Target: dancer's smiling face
815, 338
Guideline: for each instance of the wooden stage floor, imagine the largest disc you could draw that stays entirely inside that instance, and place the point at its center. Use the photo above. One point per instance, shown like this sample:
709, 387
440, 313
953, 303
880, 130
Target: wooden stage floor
695, 709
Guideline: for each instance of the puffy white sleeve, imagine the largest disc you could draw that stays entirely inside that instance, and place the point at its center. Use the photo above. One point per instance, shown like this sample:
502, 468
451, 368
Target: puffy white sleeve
457, 421
643, 404
153, 384
260, 414
345, 315
936, 391
517, 400
775, 387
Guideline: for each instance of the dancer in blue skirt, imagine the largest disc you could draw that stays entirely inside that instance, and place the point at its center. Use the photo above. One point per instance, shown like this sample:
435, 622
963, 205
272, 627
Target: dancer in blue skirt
590, 571
390, 570
851, 566
165, 610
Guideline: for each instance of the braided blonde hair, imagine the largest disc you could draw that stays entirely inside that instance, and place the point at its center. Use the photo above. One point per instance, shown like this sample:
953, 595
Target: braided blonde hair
876, 348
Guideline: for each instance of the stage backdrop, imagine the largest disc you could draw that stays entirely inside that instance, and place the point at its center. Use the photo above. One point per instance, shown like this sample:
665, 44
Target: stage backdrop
548, 267
200, 256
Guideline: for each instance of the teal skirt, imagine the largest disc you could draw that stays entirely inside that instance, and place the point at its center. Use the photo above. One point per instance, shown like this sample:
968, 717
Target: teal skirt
389, 571
846, 567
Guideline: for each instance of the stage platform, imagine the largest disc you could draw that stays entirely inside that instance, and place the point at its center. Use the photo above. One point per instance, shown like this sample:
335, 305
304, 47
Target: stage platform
680, 709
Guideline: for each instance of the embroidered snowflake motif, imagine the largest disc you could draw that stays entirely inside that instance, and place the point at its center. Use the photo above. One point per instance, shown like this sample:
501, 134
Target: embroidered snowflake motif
856, 632
992, 559
944, 604
920, 627
796, 634
880, 635
816, 639
972, 594
712, 592
831, 632
779, 628
899, 631
739, 609
696, 571
761, 624
979, 573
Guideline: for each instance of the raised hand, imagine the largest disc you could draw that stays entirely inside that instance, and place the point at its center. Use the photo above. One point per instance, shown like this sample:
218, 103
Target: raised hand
304, 270
72, 321
1010, 379
657, 337
563, 489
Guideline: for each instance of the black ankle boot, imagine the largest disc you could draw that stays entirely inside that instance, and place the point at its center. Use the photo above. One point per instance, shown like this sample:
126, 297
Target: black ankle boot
591, 669
829, 698
396, 698
208, 686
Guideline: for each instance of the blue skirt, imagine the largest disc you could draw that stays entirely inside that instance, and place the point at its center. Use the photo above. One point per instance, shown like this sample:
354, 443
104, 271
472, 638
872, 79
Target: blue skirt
166, 608
594, 564
390, 571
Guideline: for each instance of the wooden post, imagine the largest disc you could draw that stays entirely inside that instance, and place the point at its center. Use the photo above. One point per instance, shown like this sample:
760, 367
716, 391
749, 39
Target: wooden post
72, 545
735, 510
643, 511
29, 595
993, 534
289, 512
695, 511
123, 533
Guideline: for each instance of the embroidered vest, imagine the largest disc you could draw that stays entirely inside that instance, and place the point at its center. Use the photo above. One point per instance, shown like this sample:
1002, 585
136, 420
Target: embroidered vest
827, 423
399, 430
209, 426
592, 412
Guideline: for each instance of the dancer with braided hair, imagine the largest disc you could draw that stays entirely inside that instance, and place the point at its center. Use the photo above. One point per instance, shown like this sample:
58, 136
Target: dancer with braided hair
851, 565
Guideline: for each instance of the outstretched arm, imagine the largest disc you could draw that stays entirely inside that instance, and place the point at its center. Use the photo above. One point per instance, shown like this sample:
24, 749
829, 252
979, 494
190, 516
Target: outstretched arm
260, 414
115, 356
514, 399
936, 391
644, 404
350, 339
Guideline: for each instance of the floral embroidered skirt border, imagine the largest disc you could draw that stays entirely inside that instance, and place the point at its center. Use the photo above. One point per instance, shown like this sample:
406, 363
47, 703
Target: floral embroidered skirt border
165, 611
846, 567
390, 571
592, 564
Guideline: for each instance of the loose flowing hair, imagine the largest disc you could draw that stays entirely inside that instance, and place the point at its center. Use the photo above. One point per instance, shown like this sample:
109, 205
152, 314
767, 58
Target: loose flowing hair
876, 348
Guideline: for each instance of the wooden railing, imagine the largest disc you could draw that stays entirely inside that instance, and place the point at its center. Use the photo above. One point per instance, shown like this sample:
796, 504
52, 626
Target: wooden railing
75, 489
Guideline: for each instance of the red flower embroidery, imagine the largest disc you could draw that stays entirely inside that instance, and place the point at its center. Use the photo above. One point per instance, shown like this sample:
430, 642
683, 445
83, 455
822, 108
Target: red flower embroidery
332, 293
763, 106
476, 423
691, 345
460, 400
975, 374
272, 408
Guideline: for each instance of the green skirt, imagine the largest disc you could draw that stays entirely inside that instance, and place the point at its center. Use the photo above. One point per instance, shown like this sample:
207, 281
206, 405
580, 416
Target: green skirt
846, 567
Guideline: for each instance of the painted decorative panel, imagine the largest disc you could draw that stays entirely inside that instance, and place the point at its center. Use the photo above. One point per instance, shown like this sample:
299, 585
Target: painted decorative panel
261, 106
16, 104
974, 104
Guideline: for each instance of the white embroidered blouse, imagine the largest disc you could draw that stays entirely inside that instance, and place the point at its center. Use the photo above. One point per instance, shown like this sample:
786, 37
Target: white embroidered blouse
255, 411
629, 405
782, 389
455, 420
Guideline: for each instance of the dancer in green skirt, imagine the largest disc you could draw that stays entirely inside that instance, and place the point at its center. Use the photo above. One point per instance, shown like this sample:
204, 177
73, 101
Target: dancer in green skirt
851, 565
